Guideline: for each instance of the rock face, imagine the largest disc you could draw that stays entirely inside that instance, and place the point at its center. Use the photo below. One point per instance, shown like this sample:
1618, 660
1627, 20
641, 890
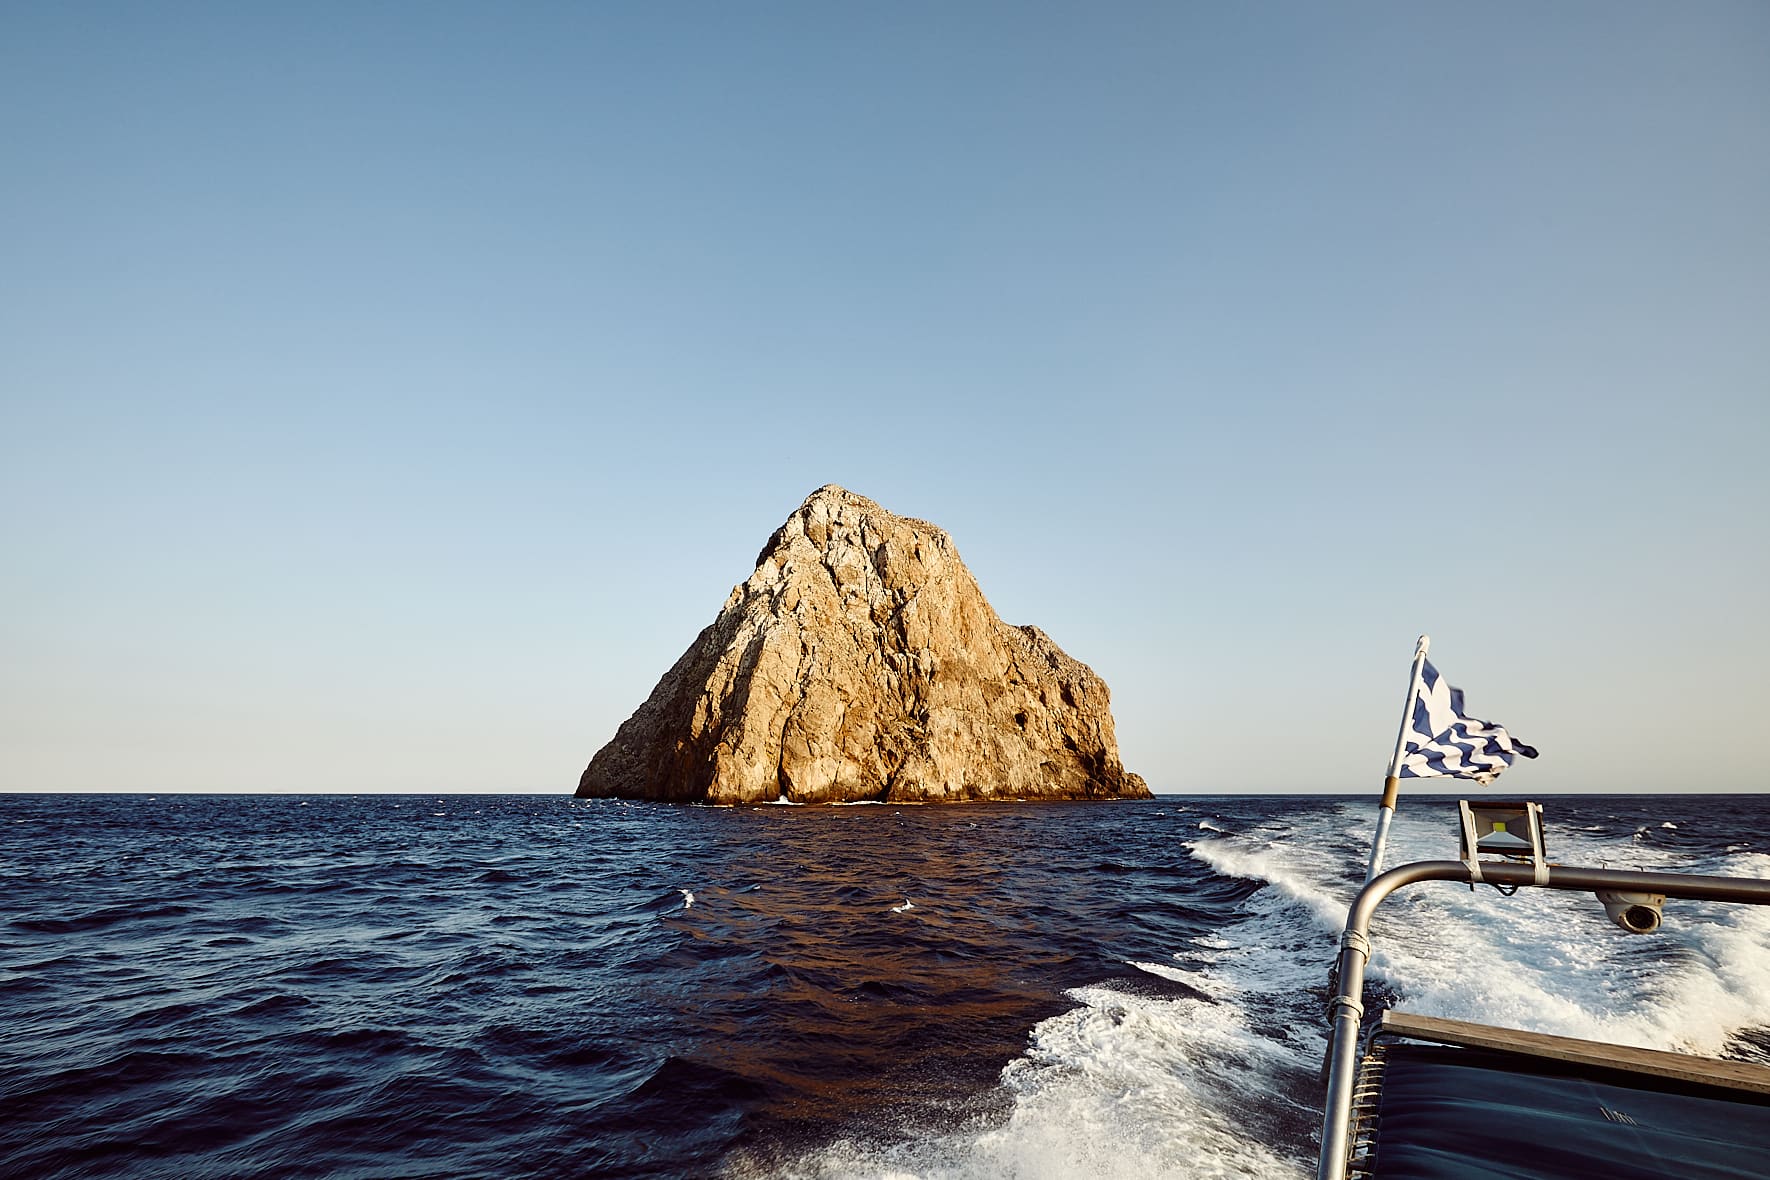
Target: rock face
860, 661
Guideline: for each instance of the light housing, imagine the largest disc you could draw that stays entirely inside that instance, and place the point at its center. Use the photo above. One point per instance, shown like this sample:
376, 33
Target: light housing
1505, 831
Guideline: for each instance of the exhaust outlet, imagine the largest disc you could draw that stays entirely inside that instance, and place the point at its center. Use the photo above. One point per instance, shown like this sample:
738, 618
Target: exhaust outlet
1638, 913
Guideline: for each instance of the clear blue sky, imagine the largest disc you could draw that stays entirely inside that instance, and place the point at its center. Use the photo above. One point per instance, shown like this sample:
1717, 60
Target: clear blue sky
391, 392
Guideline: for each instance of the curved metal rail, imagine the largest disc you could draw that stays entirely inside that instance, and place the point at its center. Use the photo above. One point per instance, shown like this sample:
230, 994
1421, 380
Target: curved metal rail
1345, 1009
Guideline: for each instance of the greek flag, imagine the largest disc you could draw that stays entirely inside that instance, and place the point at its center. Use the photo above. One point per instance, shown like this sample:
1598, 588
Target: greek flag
1443, 740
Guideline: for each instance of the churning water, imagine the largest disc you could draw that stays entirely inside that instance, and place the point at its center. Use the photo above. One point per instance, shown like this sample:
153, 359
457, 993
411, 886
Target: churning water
202, 986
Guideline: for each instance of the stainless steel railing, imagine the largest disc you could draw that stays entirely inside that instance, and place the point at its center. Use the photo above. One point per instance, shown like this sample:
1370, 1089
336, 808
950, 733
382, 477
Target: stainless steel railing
1345, 1009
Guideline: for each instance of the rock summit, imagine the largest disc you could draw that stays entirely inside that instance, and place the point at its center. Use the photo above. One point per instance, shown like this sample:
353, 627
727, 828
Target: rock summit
860, 661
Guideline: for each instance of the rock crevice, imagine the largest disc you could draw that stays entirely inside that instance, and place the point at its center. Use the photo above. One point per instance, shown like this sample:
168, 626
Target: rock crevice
861, 661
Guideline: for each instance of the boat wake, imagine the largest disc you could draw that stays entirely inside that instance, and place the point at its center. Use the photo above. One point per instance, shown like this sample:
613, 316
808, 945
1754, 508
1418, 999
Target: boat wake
1208, 1067
877, 993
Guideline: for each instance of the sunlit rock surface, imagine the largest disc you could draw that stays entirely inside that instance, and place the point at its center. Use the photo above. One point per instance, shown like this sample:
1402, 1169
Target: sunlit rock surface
861, 661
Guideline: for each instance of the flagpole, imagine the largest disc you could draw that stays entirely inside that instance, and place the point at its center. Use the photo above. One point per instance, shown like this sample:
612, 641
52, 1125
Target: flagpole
1386, 812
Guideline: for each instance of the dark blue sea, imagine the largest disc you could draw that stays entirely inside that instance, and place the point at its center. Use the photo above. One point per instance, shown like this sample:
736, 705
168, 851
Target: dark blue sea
520, 985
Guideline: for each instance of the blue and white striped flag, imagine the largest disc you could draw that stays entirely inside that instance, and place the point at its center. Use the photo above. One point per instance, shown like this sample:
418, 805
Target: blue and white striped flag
1443, 740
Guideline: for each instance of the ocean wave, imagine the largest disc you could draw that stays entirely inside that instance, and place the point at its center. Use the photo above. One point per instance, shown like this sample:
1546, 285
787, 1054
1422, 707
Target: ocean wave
553, 987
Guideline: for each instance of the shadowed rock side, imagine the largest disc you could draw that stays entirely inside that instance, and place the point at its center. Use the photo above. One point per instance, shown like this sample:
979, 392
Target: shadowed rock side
860, 661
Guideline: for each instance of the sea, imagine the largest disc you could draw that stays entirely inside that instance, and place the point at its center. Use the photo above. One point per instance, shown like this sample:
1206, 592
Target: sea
538, 986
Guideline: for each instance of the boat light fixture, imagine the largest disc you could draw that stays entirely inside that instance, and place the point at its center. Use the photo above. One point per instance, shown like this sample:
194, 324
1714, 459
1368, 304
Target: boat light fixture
1513, 831
1502, 832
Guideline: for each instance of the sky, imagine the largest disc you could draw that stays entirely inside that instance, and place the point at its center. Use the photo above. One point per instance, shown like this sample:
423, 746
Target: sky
389, 393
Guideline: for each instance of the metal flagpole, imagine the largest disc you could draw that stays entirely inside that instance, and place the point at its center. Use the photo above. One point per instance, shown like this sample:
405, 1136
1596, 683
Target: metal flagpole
1386, 812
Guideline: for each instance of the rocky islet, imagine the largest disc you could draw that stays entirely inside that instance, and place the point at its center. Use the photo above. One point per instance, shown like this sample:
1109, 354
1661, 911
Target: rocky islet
861, 661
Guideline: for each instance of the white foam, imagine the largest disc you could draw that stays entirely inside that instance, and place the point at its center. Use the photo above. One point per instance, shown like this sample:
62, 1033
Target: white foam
1200, 981
1550, 962
1121, 1087
898, 909
1128, 1084
1295, 872
687, 899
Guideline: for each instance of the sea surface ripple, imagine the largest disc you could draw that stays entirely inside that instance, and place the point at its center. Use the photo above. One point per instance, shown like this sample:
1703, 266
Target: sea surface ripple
517, 985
